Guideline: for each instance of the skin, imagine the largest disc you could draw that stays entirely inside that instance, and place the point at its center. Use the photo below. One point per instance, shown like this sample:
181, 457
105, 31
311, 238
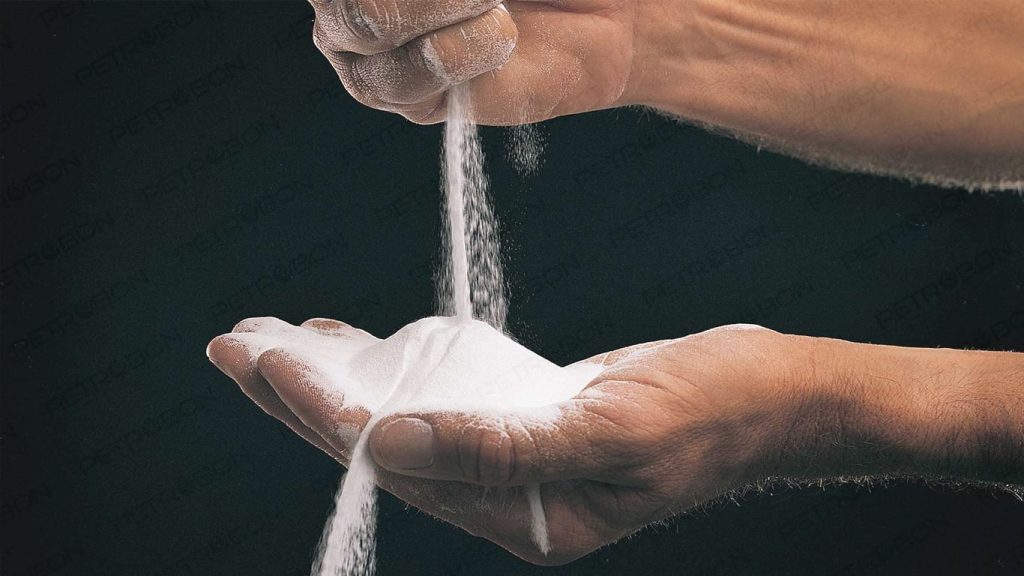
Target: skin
666, 426
928, 90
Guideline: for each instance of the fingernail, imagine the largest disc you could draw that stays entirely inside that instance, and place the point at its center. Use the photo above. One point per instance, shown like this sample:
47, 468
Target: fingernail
406, 444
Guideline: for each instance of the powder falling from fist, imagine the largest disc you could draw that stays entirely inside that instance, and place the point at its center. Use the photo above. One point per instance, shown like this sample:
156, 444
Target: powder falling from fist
463, 362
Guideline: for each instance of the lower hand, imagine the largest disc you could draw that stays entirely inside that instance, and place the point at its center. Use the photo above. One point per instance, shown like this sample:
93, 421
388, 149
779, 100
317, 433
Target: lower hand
666, 426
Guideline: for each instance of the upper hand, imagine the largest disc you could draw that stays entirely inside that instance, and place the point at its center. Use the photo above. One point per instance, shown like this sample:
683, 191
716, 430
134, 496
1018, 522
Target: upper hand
525, 60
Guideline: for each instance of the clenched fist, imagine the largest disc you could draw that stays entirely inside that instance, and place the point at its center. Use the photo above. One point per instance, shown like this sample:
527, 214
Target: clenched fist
869, 86
525, 60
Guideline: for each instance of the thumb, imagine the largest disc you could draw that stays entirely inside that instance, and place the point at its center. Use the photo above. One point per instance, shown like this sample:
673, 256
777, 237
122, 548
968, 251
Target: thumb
493, 450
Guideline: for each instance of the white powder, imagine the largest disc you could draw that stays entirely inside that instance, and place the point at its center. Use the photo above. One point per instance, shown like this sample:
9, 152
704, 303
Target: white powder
475, 263
444, 363
456, 363
459, 150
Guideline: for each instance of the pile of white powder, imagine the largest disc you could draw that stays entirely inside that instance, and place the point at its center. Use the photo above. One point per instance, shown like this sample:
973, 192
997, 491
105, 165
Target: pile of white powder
443, 363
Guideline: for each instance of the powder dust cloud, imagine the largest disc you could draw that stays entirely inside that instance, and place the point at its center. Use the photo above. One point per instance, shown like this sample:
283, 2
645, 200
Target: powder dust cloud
523, 148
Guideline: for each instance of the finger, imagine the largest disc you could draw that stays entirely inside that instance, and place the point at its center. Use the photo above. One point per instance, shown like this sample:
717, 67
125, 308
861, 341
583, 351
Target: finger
274, 332
235, 355
418, 72
310, 394
263, 324
270, 326
433, 111
509, 450
335, 328
500, 515
374, 26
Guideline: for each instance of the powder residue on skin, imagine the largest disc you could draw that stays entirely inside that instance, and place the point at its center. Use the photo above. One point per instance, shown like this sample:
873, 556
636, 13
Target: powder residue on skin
459, 365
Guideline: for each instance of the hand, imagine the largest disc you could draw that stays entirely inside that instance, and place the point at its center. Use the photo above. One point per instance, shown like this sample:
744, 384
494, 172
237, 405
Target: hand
813, 80
528, 62
665, 426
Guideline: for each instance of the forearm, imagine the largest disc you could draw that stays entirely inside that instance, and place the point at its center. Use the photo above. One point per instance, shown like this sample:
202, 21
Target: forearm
885, 410
928, 89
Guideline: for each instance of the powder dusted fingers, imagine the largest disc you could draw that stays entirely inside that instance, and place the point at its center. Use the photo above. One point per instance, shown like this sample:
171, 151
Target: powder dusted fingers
329, 327
464, 50
375, 26
236, 355
331, 387
305, 386
321, 334
419, 71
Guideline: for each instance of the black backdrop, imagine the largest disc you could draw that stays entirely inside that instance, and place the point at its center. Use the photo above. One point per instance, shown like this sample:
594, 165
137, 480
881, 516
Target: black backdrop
171, 168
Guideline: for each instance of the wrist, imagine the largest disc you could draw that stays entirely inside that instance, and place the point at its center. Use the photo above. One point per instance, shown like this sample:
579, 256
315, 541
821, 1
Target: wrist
883, 410
706, 60
820, 81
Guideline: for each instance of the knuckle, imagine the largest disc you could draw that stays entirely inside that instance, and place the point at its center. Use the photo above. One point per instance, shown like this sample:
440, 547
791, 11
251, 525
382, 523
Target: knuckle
258, 324
341, 26
220, 345
374, 23
351, 13
271, 358
502, 28
328, 36
438, 53
487, 456
423, 54
354, 82
325, 324
430, 114
246, 325
318, 36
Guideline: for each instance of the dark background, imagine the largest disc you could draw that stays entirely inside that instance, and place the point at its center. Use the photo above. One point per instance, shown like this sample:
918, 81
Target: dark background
172, 168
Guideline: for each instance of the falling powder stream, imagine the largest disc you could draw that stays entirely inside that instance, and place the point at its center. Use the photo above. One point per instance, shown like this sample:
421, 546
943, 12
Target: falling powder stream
454, 288
475, 286
471, 287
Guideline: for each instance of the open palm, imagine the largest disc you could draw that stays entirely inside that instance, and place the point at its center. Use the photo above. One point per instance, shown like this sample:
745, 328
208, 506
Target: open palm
658, 430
